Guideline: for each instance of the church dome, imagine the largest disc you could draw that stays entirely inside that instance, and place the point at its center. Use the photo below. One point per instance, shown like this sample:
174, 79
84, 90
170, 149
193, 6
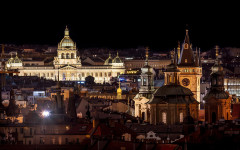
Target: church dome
218, 94
14, 62
10, 61
172, 68
108, 61
172, 93
17, 60
117, 59
172, 89
67, 41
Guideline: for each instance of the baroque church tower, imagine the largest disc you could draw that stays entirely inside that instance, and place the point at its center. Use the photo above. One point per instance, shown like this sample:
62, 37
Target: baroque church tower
145, 91
189, 65
218, 102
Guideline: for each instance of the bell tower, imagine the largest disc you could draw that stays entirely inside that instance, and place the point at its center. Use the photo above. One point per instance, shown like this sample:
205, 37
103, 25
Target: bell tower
145, 91
217, 101
189, 64
147, 85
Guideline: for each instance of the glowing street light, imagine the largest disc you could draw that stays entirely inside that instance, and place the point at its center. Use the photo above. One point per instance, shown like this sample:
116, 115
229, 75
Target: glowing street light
45, 113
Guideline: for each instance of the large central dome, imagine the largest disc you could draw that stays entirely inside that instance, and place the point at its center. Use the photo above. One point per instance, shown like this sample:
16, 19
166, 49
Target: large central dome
67, 41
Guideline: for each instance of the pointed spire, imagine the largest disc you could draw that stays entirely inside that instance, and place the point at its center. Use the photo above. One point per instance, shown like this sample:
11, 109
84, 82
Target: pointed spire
119, 90
199, 57
147, 55
178, 50
187, 40
196, 57
66, 32
217, 53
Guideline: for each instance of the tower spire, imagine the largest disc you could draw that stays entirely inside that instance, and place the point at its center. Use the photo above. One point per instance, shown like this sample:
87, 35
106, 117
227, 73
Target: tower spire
178, 51
187, 40
119, 90
66, 32
217, 53
199, 57
147, 54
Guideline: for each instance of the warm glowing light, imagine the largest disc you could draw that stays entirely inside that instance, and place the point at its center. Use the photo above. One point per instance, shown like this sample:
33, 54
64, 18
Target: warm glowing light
45, 113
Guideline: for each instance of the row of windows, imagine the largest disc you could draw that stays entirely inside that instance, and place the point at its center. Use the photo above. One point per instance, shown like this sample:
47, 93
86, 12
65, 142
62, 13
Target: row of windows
67, 56
164, 117
191, 70
96, 74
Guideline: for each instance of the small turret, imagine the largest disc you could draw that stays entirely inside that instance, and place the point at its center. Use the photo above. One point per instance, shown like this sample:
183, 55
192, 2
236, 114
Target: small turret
119, 91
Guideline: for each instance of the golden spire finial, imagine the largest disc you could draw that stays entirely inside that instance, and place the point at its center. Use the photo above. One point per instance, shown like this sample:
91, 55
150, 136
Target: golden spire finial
119, 91
217, 51
147, 49
66, 32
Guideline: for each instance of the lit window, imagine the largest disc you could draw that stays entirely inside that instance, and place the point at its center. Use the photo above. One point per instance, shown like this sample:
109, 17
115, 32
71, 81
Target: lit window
181, 116
164, 117
185, 60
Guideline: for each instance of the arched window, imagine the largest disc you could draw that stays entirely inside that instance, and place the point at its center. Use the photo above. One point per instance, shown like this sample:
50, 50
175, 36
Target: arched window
72, 55
67, 56
164, 117
63, 56
181, 116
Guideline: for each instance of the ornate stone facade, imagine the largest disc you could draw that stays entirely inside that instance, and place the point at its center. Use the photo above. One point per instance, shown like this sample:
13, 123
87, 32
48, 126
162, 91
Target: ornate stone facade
189, 65
70, 67
217, 101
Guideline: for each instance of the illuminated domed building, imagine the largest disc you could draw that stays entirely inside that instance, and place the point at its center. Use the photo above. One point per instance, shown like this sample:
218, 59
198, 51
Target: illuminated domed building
14, 63
69, 65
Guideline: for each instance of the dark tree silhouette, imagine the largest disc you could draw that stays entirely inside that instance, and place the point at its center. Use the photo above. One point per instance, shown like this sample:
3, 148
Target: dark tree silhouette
89, 81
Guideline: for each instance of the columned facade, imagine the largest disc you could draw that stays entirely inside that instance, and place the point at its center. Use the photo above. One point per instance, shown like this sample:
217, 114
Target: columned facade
69, 65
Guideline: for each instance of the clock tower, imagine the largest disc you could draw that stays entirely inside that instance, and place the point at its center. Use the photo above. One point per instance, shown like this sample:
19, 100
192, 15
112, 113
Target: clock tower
189, 65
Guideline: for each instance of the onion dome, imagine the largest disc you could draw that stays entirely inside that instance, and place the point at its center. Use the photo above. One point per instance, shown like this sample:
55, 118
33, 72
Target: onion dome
67, 42
108, 61
117, 59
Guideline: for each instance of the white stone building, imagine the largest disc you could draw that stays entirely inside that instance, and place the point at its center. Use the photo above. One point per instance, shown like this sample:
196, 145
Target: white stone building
69, 65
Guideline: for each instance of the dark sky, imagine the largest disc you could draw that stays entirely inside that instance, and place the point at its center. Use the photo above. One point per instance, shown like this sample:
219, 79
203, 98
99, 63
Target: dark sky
121, 25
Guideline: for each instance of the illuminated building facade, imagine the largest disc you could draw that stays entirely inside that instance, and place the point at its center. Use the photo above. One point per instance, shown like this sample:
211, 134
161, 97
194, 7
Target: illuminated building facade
217, 100
145, 91
189, 65
69, 65
232, 85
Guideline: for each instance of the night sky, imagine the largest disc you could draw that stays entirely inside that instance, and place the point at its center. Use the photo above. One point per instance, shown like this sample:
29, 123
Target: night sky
122, 26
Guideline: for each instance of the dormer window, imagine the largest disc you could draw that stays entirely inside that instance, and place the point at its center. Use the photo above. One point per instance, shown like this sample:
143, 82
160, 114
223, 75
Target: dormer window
185, 46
